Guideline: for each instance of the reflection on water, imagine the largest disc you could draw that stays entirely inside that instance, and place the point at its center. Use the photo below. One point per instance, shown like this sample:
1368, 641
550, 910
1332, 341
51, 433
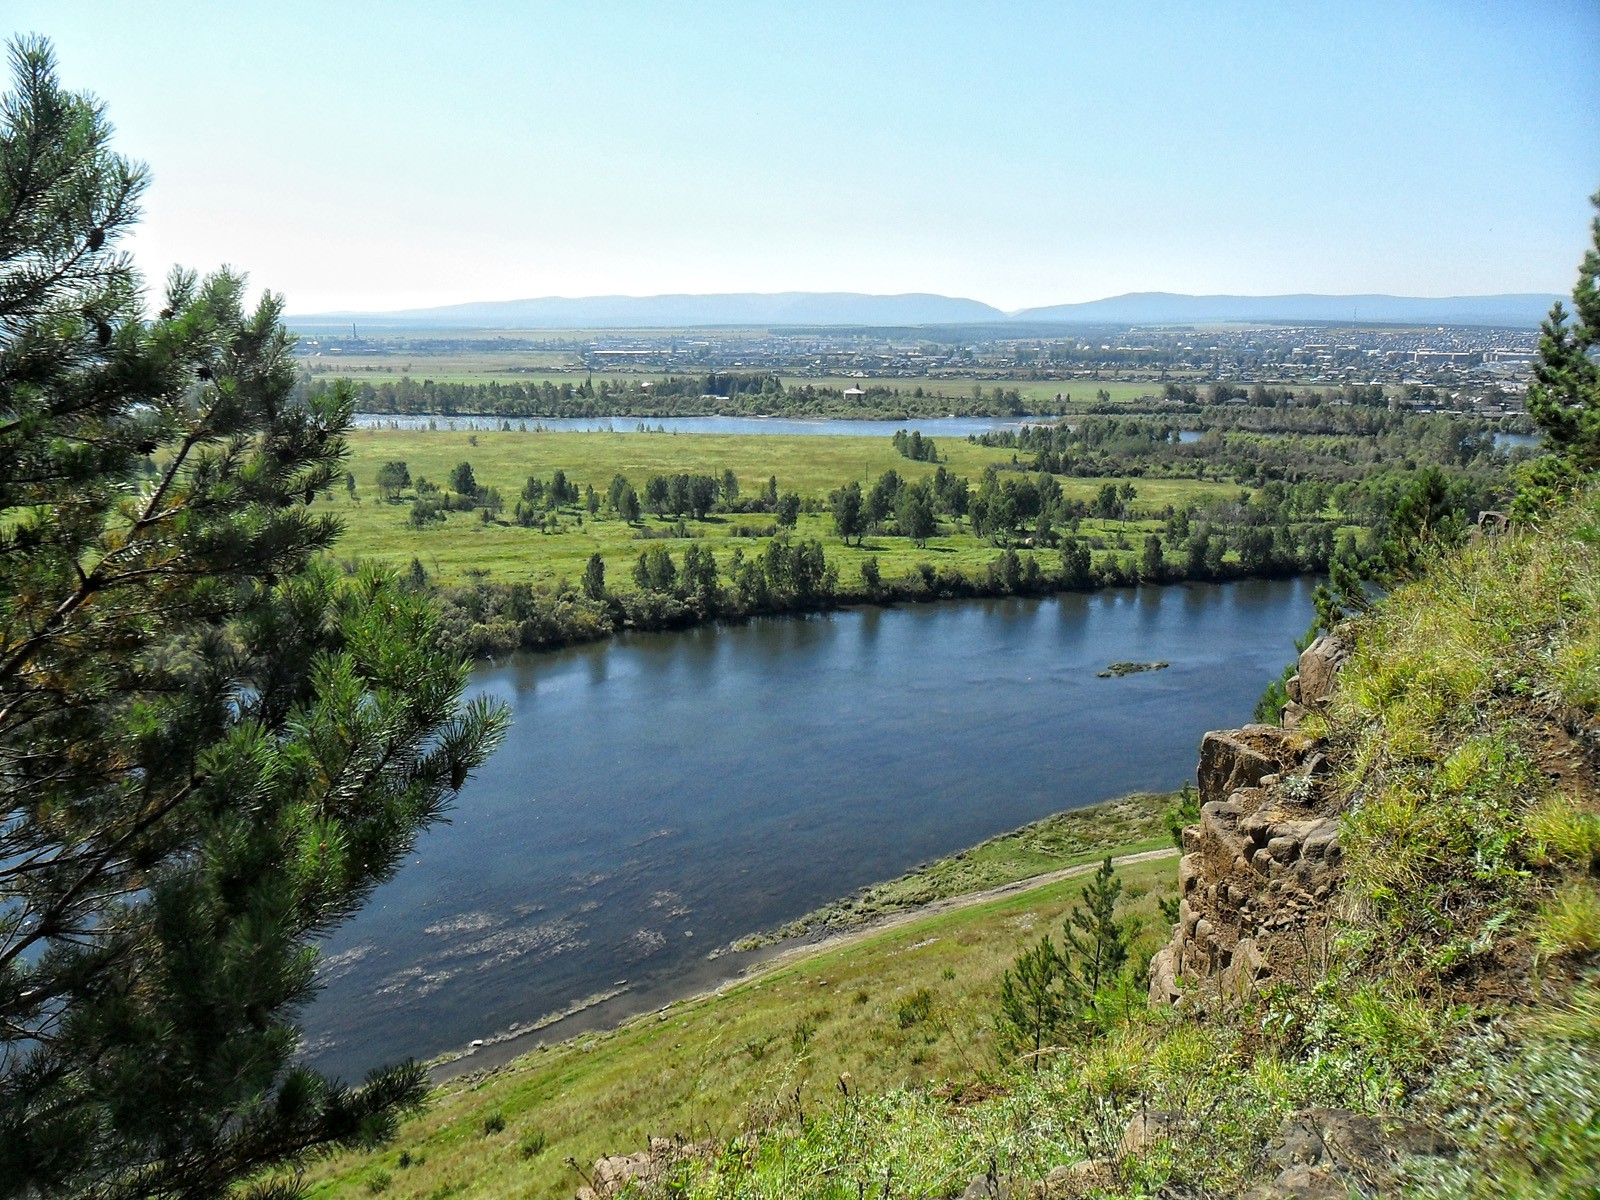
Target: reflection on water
661, 794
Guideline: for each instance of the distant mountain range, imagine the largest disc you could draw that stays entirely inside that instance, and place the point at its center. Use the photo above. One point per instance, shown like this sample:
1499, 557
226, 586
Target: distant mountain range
857, 309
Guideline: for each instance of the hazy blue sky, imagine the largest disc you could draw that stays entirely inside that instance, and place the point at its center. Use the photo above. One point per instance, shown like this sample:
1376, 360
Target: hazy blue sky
367, 155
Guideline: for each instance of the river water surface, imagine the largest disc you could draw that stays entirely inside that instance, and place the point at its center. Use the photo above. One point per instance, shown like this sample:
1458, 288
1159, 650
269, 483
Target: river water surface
936, 427
662, 794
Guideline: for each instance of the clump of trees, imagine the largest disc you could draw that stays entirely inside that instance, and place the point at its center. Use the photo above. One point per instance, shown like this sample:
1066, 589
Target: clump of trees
1255, 445
914, 446
694, 495
393, 478
894, 505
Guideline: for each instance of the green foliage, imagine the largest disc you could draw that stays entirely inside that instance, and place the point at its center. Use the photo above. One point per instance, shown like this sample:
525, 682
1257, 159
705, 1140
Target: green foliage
914, 513
1152, 564
871, 577
849, 520
1569, 922
1527, 1115
1564, 397
1075, 564
915, 447
393, 478
1184, 813
213, 746
462, 480
594, 578
1181, 815
788, 510
800, 1036
914, 1009
655, 571
1269, 709
1033, 1008
1452, 818
1096, 942
1562, 831
1051, 992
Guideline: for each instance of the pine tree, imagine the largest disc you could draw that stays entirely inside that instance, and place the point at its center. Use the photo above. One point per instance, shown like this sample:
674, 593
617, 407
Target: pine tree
594, 578
1033, 1009
1564, 396
1096, 941
213, 745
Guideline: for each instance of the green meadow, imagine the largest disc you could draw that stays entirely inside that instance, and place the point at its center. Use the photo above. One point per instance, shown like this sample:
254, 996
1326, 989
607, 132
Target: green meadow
378, 531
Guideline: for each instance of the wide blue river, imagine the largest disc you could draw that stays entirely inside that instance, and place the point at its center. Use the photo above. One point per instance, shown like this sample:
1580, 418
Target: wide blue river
935, 427
661, 794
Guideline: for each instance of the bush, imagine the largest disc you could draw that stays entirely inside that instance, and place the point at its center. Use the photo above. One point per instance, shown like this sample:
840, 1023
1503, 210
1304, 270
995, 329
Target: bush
914, 1009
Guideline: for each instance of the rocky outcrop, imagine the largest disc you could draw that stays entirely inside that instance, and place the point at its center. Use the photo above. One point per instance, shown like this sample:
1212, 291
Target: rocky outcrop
1335, 1153
615, 1174
1311, 687
1260, 866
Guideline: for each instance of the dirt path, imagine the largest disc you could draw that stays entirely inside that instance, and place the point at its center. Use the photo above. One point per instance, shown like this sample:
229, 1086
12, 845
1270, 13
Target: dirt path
855, 933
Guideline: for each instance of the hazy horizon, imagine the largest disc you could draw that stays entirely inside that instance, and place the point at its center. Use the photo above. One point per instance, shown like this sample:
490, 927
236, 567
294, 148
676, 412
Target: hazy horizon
1007, 312
386, 158
922, 310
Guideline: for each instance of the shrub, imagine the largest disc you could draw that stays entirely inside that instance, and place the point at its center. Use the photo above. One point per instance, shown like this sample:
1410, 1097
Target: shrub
915, 1008
802, 1033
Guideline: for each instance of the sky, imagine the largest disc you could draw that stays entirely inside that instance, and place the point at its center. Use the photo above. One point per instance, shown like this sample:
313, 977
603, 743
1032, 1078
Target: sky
378, 156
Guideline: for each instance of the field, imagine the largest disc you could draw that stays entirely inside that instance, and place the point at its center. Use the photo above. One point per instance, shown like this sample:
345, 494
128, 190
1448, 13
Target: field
811, 466
904, 1003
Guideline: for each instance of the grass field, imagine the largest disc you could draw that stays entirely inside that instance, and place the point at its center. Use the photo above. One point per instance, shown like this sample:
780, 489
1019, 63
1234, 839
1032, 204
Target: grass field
908, 1003
812, 466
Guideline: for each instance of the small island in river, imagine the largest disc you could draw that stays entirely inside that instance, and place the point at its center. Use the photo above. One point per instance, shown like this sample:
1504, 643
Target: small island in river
1118, 669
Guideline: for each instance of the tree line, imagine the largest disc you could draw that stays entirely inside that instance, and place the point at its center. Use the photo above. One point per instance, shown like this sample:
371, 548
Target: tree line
722, 393
1249, 446
681, 494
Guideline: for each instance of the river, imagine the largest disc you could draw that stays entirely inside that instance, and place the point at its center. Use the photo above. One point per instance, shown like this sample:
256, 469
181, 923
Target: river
661, 794
935, 427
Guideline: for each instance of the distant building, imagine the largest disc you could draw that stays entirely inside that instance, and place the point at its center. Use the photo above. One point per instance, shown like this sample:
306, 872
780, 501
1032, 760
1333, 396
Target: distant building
852, 394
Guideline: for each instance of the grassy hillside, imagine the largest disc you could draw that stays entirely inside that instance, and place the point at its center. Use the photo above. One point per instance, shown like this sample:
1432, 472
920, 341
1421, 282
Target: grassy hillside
906, 1005
1457, 1001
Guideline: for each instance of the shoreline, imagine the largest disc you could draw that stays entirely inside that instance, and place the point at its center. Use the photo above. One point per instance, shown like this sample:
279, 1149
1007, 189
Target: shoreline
613, 1010
910, 590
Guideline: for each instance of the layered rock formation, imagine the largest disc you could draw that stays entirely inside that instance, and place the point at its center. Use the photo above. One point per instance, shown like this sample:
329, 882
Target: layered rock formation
1260, 866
